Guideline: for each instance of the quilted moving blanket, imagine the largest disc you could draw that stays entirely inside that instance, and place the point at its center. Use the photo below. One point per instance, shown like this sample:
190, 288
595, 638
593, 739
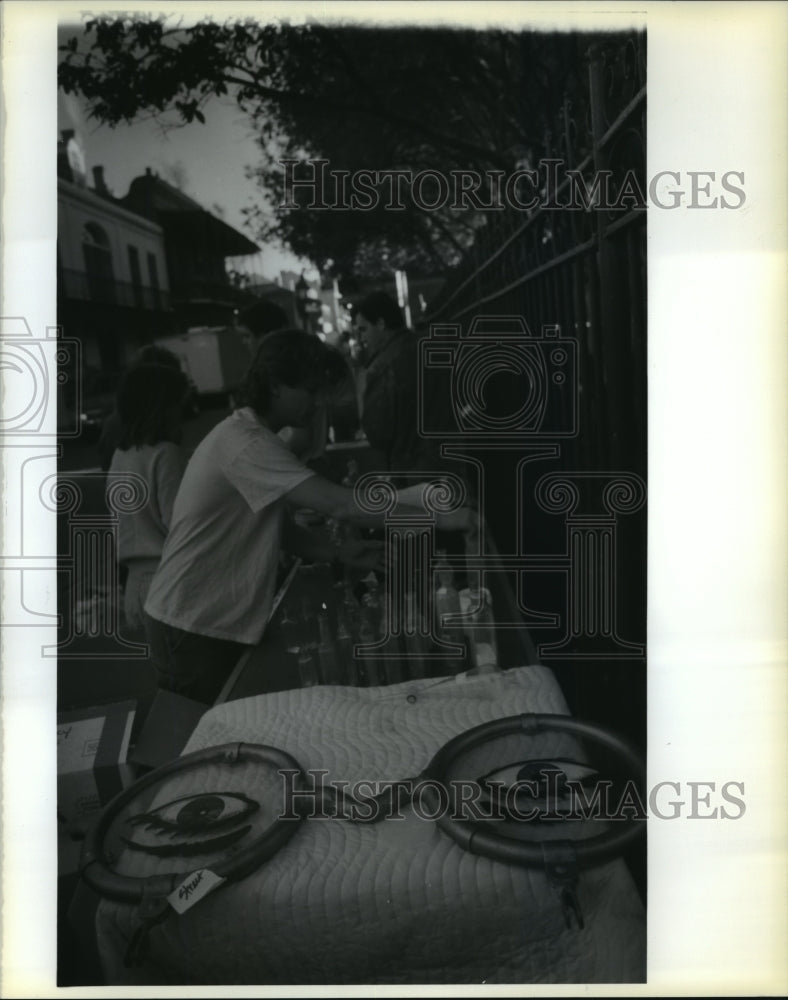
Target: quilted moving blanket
396, 902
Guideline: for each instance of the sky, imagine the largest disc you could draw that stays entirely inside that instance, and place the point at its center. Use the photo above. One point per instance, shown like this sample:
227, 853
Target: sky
210, 160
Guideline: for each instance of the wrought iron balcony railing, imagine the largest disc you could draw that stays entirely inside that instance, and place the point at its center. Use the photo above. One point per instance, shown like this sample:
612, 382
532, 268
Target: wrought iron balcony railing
109, 291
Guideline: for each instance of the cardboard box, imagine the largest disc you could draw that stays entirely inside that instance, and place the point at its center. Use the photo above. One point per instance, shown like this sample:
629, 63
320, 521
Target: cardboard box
169, 723
92, 765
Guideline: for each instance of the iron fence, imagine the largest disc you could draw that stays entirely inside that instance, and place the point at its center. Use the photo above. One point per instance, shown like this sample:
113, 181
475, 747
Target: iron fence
581, 267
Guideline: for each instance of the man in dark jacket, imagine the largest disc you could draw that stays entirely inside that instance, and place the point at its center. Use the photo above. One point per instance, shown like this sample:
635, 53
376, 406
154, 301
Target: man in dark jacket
390, 412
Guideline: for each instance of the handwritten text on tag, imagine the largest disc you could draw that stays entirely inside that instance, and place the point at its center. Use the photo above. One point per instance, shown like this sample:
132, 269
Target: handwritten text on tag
193, 888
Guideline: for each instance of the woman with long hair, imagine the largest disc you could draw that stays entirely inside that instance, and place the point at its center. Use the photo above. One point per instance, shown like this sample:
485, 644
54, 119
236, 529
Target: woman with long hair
149, 407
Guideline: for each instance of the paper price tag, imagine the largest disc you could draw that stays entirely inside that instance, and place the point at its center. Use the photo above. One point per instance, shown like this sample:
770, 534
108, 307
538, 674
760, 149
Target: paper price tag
193, 888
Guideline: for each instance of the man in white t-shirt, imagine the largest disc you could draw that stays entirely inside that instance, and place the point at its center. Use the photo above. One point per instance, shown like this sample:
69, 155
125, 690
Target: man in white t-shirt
265, 317
213, 591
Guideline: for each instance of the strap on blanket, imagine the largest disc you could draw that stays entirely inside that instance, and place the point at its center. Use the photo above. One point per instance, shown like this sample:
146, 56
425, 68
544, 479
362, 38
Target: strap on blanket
154, 909
560, 865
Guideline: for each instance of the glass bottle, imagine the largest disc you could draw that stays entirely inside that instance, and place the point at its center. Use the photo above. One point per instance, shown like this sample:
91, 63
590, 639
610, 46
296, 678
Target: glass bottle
414, 644
347, 660
350, 610
349, 532
443, 570
351, 474
290, 631
308, 625
447, 602
329, 665
372, 601
479, 628
307, 667
366, 636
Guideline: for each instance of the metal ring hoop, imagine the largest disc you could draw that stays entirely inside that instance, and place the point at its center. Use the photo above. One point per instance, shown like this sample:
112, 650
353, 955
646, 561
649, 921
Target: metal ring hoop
126, 889
474, 836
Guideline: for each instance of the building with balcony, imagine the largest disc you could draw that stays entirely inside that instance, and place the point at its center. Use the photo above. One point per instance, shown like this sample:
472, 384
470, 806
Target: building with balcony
135, 269
197, 245
113, 287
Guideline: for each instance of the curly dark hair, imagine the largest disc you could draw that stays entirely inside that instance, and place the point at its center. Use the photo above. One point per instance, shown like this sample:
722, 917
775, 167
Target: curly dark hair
263, 317
290, 356
379, 305
145, 398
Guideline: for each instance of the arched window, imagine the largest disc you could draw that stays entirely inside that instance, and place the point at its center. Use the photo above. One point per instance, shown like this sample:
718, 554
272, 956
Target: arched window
98, 263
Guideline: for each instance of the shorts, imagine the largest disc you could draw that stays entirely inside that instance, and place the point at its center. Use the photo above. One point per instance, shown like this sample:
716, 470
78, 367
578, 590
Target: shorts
196, 666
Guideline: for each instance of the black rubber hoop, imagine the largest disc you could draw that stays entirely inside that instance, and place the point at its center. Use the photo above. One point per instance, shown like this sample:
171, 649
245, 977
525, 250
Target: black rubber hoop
475, 836
125, 888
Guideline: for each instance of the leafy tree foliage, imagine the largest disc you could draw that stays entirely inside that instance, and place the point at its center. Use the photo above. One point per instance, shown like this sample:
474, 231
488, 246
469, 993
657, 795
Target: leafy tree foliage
380, 99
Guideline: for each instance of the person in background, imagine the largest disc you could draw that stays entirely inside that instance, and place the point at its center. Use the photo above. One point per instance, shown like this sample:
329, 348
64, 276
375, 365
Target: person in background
342, 403
149, 407
151, 354
213, 592
389, 414
259, 319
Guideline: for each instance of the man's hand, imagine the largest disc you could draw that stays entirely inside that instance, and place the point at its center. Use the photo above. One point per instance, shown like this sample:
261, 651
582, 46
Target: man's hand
363, 555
